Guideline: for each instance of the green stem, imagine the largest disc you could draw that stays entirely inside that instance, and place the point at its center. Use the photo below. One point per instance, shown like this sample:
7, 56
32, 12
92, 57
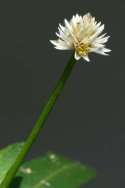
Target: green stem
39, 123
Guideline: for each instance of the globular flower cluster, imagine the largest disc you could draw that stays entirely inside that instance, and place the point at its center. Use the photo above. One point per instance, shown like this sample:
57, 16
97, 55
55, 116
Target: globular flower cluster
83, 35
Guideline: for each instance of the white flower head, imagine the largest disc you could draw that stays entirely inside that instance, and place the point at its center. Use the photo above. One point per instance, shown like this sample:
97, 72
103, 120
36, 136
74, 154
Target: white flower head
83, 35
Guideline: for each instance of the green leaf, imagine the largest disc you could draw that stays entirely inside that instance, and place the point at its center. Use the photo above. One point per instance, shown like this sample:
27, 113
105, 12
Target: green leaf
8, 156
53, 171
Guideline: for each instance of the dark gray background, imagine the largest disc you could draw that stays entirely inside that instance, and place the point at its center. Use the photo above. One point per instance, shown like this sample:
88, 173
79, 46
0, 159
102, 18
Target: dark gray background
88, 122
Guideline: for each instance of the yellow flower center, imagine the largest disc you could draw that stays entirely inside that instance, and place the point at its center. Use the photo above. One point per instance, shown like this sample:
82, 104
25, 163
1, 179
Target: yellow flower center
82, 49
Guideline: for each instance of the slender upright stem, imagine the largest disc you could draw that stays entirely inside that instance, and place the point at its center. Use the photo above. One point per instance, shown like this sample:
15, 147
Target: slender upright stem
40, 122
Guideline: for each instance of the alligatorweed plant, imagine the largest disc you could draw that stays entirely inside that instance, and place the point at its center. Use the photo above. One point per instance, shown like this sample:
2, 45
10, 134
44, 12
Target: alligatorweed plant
82, 34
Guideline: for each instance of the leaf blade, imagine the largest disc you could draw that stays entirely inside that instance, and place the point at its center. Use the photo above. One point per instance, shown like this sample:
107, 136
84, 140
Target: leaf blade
54, 171
8, 156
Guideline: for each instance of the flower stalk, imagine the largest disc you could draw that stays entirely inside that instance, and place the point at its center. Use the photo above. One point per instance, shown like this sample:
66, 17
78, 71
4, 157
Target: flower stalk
40, 122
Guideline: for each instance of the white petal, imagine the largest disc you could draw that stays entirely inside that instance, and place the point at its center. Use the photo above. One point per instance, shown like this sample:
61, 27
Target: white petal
53, 42
86, 58
102, 40
98, 32
87, 17
99, 46
61, 48
101, 36
107, 50
67, 24
58, 35
62, 27
76, 56
102, 51
101, 28
98, 24
60, 45
77, 18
